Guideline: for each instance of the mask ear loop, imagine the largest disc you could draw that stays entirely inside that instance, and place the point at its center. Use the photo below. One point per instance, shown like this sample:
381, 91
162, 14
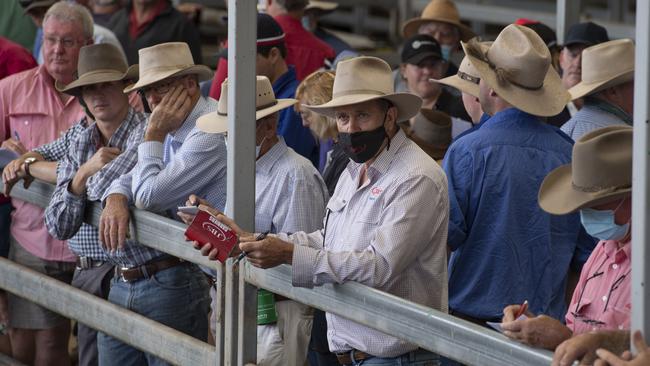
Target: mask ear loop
629, 221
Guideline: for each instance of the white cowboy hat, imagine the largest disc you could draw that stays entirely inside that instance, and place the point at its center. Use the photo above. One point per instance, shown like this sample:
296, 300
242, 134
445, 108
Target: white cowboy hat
518, 67
363, 79
265, 104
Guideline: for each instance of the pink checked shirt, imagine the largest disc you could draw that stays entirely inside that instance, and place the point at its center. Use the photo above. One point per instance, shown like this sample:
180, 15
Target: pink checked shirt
31, 107
602, 298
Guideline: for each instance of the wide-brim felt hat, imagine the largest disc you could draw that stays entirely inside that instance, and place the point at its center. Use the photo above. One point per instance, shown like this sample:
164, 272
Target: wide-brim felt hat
363, 79
265, 104
467, 78
167, 60
600, 172
321, 6
518, 67
605, 65
38, 4
444, 11
99, 63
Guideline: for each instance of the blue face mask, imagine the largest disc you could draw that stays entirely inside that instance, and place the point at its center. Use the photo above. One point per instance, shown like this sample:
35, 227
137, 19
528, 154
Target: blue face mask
446, 51
600, 224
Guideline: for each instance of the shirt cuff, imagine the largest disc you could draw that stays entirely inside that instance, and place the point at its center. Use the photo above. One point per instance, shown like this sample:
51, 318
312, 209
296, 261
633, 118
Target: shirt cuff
150, 149
118, 189
302, 266
71, 199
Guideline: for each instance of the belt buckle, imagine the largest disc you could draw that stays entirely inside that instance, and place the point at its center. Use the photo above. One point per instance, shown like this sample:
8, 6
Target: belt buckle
122, 269
84, 262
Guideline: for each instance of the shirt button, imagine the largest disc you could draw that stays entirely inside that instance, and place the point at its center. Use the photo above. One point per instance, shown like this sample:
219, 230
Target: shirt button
604, 298
26, 123
615, 266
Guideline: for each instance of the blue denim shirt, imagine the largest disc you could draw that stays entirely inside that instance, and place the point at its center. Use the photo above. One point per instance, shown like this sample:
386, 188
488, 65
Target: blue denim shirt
505, 248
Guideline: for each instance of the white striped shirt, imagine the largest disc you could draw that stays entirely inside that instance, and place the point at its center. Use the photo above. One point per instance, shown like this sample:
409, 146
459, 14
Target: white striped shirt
389, 234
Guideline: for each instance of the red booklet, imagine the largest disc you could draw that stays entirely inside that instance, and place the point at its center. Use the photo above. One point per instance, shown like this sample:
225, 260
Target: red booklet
207, 229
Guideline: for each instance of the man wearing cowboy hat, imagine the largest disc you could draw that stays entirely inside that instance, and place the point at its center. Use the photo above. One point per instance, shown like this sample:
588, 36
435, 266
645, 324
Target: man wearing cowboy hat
290, 196
385, 225
601, 304
174, 159
313, 12
505, 249
607, 87
93, 161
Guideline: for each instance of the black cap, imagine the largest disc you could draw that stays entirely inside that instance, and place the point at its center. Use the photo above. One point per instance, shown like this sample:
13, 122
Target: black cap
544, 32
587, 33
420, 47
269, 31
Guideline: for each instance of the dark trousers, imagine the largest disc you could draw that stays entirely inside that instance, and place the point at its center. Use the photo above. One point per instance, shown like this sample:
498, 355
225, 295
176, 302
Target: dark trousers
319, 353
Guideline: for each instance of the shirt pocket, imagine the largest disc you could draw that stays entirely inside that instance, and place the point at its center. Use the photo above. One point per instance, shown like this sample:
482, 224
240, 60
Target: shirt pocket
29, 127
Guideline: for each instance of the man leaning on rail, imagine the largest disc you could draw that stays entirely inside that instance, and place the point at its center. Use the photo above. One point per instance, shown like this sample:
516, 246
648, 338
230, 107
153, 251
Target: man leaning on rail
91, 164
599, 312
386, 224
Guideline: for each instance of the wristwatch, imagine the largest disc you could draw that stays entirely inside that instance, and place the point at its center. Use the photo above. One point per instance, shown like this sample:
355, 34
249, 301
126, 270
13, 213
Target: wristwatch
29, 161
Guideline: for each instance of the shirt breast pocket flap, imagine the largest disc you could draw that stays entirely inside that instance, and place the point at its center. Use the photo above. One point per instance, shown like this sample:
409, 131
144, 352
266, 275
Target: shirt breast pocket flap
336, 205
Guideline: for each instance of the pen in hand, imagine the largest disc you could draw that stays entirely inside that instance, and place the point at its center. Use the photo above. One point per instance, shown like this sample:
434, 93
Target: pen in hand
16, 136
522, 309
257, 238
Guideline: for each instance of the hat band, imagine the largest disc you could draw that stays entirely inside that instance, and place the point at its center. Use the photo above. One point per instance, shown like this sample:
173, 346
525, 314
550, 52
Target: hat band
593, 189
356, 91
468, 77
269, 41
259, 108
166, 68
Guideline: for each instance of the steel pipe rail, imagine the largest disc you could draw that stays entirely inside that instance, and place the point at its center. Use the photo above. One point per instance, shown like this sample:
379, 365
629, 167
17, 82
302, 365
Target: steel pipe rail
132, 328
426, 327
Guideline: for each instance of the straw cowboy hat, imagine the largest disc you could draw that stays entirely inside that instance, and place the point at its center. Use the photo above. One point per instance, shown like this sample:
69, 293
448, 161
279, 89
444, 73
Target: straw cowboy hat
600, 172
322, 6
164, 61
518, 67
467, 78
431, 130
605, 65
99, 63
362, 79
265, 104
440, 11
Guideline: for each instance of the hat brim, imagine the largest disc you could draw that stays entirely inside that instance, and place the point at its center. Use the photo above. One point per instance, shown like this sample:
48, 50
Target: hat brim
218, 123
455, 82
203, 73
408, 105
558, 197
417, 58
96, 77
321, 6
410, 28
582, 89
547, 101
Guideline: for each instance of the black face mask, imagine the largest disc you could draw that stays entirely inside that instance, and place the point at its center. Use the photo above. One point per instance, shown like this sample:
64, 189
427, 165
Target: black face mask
362, 146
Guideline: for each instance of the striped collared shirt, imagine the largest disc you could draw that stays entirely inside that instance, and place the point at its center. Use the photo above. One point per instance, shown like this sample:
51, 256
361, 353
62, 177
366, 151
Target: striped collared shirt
389, 233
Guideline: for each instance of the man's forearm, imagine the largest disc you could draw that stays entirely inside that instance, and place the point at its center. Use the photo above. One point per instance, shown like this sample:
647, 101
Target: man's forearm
44, 170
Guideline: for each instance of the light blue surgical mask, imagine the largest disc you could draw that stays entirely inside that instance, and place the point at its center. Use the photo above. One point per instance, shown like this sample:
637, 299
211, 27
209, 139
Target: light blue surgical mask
600, 224
307, 24
446, 51
258, 148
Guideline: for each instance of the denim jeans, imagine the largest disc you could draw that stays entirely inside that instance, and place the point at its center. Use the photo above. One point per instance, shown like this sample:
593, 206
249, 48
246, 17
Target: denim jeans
177, 297
418, 357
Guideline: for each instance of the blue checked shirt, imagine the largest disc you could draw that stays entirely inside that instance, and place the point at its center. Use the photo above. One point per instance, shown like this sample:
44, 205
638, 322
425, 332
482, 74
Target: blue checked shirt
189, 162
58, 149
65, 213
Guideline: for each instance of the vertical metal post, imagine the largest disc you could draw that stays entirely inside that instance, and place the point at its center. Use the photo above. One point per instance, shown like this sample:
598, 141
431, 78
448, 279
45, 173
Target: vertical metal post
247, 335
568, 13
219, 313
242, 33
640, 187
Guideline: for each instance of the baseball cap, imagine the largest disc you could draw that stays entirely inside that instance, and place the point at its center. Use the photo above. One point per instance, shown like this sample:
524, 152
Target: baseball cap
544, 32
420, 47
588, 33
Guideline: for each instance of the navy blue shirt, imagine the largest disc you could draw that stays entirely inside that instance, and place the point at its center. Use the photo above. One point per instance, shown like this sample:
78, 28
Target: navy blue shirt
296, 136
505, 248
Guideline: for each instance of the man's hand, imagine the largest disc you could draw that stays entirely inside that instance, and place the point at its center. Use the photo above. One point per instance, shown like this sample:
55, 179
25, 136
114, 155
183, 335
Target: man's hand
169, 115
114, 222
12, 173
14, 145
102, 157
626, 359
540, 331
581, 347
267, 253
510, 312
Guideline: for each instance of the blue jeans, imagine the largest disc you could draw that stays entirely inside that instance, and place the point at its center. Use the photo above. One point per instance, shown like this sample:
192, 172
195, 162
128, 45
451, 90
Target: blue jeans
177, 297
418, 357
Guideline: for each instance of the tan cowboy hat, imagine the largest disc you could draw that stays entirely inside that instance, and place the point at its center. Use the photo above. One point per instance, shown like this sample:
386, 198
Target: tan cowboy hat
605, 65
99, 63
467, 78
164, 61
518, 67
323, 6
600, 172
265, 104
431, 130
440, 11
362, 79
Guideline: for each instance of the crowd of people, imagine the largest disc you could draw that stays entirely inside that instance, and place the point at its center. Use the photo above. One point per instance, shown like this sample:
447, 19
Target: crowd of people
487, 179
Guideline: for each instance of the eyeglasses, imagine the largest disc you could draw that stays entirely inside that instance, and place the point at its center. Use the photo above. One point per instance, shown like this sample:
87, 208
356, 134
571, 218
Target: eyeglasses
160, 88
66, 42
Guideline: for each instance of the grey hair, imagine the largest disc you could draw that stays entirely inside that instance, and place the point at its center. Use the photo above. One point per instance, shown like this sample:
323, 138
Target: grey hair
72, 12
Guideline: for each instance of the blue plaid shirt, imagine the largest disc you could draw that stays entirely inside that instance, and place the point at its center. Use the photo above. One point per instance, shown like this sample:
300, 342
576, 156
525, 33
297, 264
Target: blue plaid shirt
58, 149
65, 213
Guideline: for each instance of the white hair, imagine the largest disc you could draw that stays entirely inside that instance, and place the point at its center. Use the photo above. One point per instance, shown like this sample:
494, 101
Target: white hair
72, 12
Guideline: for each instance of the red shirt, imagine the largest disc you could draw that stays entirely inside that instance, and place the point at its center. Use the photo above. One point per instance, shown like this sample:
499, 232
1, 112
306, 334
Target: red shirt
14, 58
136, 28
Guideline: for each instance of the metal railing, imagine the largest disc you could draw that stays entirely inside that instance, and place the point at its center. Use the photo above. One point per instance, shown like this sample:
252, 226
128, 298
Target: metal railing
236, 339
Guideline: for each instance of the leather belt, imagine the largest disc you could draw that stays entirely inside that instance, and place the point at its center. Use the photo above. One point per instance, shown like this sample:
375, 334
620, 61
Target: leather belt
350, 357
88, 262
146, 270
279, 298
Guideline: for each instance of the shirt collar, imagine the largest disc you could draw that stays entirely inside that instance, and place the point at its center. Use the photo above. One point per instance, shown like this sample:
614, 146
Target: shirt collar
284, 79
612, 250
190, 122
117, 137
383, 161
267, 161
511, 115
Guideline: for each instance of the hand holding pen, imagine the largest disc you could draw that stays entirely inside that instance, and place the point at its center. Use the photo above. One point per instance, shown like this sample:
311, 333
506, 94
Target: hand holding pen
261, 236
